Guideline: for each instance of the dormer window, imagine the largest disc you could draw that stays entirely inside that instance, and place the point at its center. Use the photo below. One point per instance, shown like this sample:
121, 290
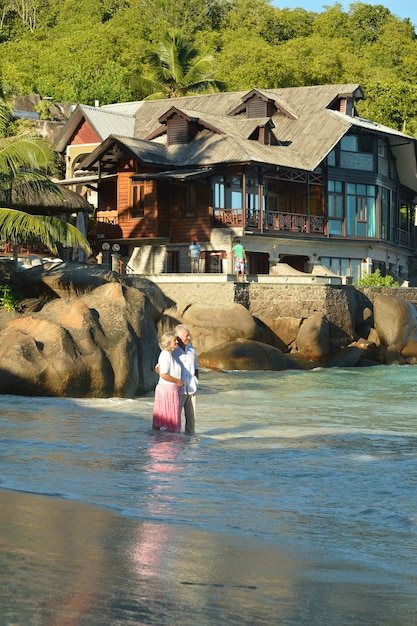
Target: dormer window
259, 107
263, 134
346, 106
177, 130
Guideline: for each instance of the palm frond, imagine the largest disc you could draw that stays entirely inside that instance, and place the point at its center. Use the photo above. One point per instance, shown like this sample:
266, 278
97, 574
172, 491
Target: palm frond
18, 226
26, 150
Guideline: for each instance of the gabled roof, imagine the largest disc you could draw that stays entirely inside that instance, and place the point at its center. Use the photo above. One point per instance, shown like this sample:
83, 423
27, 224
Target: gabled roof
104, 121
305, 128
280, 105
115, 147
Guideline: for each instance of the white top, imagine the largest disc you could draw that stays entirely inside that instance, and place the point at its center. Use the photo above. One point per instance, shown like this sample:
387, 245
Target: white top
188, 359
168, 365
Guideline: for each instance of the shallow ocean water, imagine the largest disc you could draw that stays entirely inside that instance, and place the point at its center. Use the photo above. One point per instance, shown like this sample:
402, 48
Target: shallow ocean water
295, 503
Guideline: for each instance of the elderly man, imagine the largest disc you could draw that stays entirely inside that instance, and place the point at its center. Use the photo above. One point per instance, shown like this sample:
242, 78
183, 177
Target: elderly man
185, 353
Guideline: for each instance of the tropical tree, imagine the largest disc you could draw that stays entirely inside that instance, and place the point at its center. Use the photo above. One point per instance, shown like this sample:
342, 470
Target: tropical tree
177, 69
22, 157
18, 226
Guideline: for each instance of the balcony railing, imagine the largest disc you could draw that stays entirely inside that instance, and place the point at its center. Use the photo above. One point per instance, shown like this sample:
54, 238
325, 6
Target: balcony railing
273, 220
294, 222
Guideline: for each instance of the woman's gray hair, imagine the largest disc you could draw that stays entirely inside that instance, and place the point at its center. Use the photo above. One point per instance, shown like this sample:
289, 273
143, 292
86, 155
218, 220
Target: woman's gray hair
165, 340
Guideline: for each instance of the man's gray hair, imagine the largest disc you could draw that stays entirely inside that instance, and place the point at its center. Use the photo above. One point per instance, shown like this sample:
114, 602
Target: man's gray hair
180, 328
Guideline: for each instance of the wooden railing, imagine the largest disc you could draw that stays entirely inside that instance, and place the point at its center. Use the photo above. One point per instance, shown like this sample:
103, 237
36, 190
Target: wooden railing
273, 220
294, 222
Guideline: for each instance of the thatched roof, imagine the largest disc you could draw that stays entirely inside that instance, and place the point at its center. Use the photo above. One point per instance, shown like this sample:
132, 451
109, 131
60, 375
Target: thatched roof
43, 198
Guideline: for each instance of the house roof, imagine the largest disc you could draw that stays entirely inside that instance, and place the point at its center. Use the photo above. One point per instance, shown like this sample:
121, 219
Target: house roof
305, 127
104, 121
41, 198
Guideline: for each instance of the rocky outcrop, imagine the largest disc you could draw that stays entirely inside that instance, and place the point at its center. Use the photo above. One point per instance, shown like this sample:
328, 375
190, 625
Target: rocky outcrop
83, 331
101, 345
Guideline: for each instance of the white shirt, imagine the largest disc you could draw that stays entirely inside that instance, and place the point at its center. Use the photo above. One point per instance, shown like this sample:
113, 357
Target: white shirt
188, 359
168, 365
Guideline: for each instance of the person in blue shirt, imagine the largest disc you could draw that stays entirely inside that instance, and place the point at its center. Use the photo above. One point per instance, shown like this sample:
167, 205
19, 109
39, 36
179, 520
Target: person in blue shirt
194, 255
185, 353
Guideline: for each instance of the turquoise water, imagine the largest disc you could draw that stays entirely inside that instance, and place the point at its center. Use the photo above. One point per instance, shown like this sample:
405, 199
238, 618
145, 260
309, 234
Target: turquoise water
295, 503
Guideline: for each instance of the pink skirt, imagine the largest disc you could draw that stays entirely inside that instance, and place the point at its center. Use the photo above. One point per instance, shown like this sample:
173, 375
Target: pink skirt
167, 408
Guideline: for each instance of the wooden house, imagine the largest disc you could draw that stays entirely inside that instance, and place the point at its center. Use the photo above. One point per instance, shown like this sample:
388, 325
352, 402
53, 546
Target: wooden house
294, 173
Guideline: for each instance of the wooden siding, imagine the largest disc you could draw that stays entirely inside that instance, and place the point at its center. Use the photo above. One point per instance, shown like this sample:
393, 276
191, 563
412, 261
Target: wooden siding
256, 107
146, 226
177, 130
185, 225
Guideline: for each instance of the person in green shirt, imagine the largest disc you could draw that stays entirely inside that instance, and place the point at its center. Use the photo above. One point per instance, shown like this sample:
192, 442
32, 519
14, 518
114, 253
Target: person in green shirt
239, 255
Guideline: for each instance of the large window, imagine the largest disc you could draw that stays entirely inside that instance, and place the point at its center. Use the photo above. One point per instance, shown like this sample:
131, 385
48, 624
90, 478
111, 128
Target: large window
335, 207
351, 209
227, 192
388, 212
357, 152
360, 210
343, 267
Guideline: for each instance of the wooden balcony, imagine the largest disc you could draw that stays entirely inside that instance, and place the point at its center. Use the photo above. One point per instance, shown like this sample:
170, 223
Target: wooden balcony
273, 221
294, 222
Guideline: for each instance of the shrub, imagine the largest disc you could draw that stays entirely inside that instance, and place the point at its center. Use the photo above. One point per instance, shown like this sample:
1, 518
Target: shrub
8, 298
376, 280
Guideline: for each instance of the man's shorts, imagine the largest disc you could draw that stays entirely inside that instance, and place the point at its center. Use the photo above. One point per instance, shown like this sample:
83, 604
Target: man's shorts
239, 265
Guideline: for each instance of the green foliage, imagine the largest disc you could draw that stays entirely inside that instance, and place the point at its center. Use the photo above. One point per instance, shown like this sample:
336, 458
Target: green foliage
8, 298
19, 226
177, 69
376, 280
86, 50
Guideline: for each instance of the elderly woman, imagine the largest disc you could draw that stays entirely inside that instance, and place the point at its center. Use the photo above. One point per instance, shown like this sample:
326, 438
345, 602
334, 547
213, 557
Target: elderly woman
167, 407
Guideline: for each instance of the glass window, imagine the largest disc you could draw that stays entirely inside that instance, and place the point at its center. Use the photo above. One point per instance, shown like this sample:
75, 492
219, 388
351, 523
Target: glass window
360, 210
189, 205
331, 159
357, 152
138, 201
219, 193
335, 207
349, 143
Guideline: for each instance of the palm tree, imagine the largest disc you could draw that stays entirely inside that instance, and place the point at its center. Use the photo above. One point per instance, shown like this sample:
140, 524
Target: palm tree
177, 70
21, 158
18, 226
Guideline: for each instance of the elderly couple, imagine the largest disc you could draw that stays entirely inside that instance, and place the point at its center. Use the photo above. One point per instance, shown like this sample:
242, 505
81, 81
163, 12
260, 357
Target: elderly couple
178, 380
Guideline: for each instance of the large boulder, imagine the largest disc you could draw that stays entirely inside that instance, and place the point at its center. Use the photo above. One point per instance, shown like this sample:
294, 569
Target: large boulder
69, 280
38, 357
212, 325
101, 345
313, 338
396, 325
243, 354
65, 280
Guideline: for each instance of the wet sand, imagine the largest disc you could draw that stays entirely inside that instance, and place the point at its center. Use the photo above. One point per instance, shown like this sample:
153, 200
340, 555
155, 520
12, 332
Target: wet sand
67, 563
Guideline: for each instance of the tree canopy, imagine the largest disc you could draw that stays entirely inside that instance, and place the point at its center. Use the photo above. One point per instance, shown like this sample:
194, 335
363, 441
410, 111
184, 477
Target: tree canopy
86, 50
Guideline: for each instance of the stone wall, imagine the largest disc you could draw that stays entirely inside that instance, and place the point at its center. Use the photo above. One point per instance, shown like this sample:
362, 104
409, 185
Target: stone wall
345, 306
